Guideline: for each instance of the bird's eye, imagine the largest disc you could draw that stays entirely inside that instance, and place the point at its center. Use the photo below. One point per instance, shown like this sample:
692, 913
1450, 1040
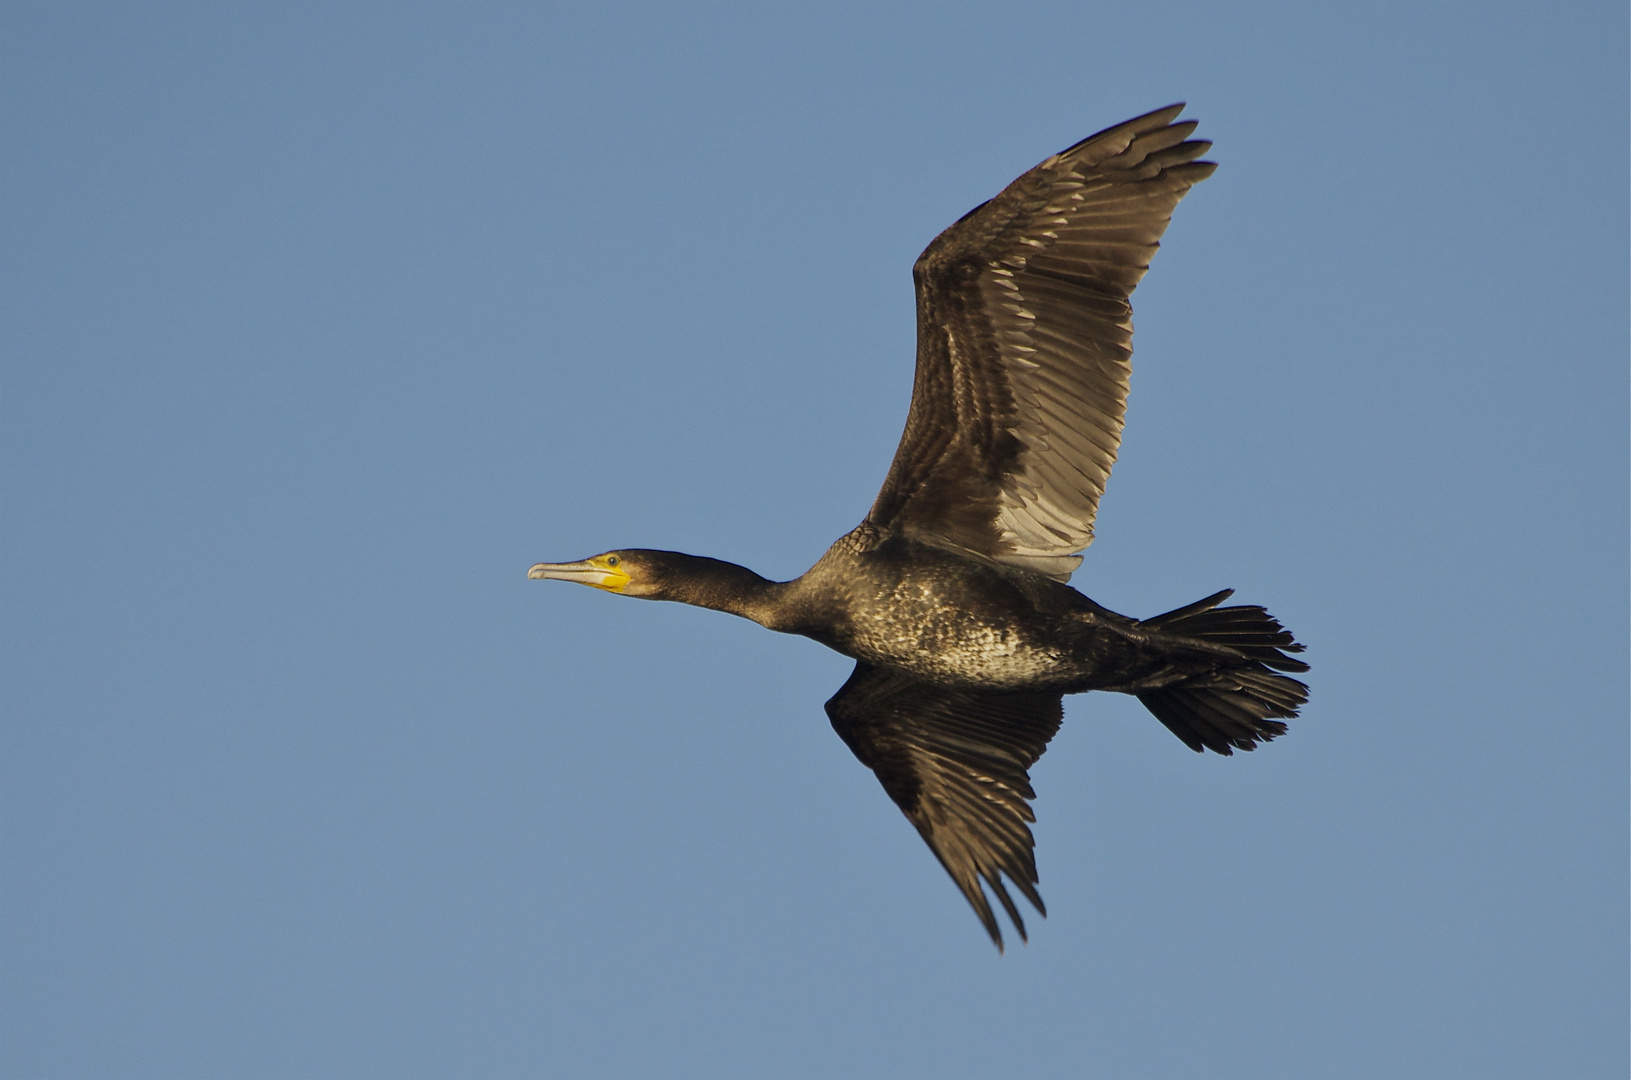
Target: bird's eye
612, 560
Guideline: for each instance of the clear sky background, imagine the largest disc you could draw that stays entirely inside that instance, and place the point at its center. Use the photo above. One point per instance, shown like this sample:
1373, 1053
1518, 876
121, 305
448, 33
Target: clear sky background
322, 322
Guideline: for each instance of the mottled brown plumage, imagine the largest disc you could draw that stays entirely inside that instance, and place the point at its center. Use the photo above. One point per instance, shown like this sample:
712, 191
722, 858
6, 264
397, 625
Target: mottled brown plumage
951, 595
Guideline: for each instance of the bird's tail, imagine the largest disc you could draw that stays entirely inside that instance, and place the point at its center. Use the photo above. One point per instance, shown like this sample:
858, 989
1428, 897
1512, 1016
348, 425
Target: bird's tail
1238, 707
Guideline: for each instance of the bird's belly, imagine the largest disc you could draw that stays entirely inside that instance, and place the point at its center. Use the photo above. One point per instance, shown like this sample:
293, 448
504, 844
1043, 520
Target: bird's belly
941, 644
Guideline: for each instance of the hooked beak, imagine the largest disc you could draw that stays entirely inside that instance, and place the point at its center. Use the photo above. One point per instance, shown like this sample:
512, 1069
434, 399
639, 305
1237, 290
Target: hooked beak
588, 572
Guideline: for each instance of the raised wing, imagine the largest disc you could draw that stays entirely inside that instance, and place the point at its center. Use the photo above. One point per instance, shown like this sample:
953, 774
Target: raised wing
955, 762
1025, 344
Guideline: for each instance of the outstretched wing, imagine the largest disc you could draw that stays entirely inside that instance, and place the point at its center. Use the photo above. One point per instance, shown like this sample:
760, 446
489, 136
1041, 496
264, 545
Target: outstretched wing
1024, 348
955, 762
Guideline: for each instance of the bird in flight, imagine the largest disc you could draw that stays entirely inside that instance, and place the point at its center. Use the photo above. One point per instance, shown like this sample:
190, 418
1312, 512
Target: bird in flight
951, 595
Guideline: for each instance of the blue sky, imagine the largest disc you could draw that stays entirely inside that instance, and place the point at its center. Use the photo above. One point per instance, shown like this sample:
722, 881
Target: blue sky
322, 322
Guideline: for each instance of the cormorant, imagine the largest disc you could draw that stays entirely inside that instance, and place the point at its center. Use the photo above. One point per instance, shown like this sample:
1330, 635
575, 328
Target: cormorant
951, 596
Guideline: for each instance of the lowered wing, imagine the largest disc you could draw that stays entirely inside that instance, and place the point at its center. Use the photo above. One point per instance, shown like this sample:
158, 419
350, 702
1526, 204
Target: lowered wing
955, 762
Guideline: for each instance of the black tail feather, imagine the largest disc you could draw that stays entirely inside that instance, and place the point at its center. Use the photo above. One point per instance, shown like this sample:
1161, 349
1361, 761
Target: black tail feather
1237, 707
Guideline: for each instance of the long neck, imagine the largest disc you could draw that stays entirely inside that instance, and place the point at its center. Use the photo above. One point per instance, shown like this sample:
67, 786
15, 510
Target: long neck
724, 586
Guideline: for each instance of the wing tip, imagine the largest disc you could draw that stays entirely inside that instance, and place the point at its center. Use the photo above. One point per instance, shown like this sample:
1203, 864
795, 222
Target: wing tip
1154, 120
974, 892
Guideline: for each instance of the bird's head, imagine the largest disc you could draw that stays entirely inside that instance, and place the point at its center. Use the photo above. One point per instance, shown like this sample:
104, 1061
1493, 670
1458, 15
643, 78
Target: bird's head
665, 575
630, 573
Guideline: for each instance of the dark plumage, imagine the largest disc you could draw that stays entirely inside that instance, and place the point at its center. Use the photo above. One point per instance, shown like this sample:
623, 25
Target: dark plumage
951, 595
